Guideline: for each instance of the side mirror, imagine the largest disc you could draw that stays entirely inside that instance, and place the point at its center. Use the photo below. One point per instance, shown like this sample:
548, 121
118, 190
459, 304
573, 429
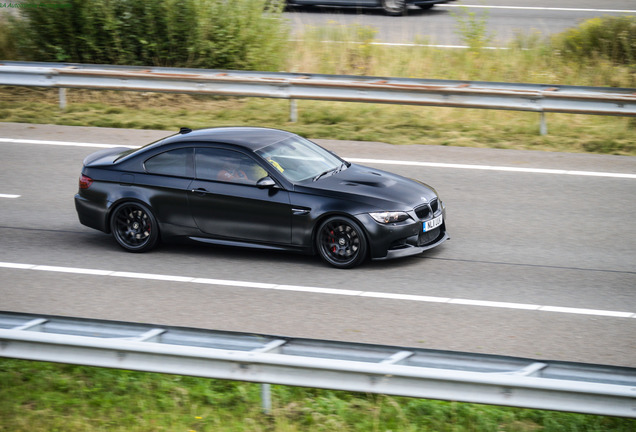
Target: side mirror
266, 183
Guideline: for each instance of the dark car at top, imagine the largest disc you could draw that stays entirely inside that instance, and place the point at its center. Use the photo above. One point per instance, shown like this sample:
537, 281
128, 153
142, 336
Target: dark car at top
391, 7
260, 188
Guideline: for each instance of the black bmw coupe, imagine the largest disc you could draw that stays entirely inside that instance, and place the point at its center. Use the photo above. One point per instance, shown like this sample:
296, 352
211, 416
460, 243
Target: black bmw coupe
260, 188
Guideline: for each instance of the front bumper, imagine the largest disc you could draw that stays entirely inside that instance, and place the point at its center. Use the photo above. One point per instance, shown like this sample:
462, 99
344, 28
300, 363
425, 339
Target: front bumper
409, 249
389, 241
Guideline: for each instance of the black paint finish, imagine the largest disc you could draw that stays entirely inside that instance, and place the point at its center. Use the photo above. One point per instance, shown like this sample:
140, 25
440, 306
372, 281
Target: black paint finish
227, 186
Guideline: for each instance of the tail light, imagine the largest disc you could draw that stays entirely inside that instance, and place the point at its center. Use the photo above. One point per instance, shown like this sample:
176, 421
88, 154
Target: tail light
85, 182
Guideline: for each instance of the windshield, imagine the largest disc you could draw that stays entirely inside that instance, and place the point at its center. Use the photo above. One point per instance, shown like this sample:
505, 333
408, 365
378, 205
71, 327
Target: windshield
299, 159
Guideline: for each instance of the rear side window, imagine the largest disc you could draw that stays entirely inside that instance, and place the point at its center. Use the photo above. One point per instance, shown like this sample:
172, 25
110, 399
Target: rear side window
172, 163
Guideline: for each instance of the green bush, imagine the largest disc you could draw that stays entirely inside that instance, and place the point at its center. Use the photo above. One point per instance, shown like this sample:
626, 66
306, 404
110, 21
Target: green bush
177, 33
610, 37
340, 49
472, 28
241, 34
8, 40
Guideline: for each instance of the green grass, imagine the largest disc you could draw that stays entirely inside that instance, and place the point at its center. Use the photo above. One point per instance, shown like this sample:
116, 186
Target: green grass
38, 397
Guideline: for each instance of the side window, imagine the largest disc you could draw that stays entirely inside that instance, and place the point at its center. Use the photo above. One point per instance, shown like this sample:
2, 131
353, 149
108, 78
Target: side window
172, 163
227, 166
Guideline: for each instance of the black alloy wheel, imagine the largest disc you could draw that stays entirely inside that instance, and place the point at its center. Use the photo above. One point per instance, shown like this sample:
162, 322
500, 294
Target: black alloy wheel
341, 242
134, 227
394, 7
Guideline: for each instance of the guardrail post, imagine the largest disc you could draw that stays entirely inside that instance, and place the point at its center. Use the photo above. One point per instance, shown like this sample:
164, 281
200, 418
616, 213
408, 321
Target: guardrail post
266, 398
293, 111
266, 394
62, 94
544, 125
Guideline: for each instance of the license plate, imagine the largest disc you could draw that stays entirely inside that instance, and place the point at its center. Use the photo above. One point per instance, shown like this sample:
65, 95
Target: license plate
433, 223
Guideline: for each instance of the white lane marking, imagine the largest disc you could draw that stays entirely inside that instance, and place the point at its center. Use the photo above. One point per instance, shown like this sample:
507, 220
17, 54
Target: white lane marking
494, 168
17, 266
67, 270
62, 143
435, 46
149, 276
205, 281
539, 8
585, 311
402, 44
319, 290
373, 161
9, 196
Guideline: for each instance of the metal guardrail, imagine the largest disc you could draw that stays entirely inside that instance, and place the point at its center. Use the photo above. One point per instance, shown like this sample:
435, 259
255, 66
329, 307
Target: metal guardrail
294, 86
421, 373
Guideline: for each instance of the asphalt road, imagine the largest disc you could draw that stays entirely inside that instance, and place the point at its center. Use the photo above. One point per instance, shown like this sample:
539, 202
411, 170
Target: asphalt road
553, 254
438, 26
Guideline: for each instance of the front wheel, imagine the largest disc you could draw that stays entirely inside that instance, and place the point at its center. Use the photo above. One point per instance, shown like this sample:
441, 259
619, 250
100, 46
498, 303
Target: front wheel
134, 227
394, 7
341, 242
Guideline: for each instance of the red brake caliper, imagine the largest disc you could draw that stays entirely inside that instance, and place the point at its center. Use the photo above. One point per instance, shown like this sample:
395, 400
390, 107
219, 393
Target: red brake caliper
333, 241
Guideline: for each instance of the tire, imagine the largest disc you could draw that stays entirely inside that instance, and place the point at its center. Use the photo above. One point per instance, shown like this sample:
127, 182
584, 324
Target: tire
134, 227
341, 242
394, 7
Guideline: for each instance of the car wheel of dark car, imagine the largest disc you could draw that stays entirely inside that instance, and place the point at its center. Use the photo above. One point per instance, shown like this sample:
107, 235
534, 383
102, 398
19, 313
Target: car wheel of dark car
394, 7
134, 227
341, 242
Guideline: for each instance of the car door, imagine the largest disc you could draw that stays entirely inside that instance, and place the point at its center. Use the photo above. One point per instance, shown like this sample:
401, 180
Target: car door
227, 204
164, 185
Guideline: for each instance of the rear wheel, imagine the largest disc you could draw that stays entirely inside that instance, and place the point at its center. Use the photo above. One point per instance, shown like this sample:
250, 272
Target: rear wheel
134, 227
394, 7
341, 242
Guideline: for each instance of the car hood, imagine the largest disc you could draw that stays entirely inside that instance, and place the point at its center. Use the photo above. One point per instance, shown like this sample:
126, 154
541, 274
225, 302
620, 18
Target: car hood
373, 187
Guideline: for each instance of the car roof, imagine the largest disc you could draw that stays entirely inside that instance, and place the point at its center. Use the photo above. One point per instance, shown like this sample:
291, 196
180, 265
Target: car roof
253, 138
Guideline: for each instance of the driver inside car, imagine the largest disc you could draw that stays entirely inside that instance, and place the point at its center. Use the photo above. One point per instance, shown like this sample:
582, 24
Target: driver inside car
233, 172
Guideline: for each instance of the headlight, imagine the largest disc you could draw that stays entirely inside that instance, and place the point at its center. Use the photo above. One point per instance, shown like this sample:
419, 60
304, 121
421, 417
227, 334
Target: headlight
389, 217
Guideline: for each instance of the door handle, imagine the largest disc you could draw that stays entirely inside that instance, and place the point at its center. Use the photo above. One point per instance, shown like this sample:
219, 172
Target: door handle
300, 211
200, 191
